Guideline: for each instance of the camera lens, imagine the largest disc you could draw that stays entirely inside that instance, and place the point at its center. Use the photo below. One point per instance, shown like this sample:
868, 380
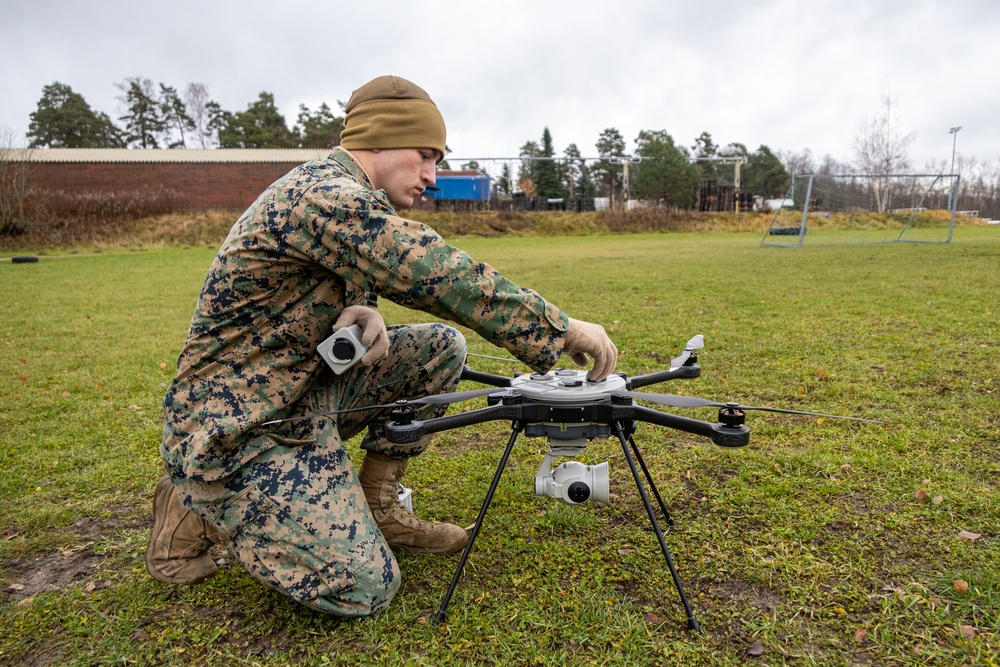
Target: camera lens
343, 350
578, 492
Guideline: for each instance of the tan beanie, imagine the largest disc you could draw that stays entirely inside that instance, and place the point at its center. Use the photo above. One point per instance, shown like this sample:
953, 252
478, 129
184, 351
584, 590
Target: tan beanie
391, 112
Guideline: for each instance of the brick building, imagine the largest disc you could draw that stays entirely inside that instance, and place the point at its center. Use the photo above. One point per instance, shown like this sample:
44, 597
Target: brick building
196, 179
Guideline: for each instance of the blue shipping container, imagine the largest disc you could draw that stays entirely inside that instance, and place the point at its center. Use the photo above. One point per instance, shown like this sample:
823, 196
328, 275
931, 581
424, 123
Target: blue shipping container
462, 187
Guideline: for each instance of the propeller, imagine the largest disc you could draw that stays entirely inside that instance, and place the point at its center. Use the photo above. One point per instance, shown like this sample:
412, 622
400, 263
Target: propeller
436, 399
696, 343
675, 401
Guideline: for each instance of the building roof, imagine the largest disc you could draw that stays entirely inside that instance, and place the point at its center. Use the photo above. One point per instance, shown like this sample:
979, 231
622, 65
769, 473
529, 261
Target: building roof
458, 172
290, 155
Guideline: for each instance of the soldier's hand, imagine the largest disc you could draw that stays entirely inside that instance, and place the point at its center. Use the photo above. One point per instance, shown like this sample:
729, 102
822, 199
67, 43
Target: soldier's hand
583, 339
373, 333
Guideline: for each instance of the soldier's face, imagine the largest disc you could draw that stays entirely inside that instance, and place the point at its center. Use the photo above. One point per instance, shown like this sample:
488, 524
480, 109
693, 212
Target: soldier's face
404, 173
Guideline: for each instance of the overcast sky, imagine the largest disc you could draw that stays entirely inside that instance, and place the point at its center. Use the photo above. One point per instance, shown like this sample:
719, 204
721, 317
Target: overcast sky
791, 74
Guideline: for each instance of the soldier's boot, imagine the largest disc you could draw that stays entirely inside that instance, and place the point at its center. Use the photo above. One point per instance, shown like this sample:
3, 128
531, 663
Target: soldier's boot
379, 476
178, 551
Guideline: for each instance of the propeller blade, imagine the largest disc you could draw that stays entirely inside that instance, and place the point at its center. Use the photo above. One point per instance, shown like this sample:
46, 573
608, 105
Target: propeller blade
436, 399
804, 412
696, 343
675, 401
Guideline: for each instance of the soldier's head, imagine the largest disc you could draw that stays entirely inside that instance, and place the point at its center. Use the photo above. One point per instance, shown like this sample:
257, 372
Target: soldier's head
396, 132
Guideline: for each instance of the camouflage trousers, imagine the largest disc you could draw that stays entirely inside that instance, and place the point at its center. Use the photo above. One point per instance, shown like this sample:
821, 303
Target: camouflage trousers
296, 515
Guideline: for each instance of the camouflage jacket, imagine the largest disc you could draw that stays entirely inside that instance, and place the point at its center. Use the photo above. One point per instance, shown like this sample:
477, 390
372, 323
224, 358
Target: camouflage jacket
320, 239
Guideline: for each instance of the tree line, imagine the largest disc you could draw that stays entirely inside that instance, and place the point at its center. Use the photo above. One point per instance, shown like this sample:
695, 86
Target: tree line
659, 168
154, 116
158, 116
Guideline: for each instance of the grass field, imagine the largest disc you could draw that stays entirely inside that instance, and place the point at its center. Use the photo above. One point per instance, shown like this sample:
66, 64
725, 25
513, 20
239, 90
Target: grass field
822, 542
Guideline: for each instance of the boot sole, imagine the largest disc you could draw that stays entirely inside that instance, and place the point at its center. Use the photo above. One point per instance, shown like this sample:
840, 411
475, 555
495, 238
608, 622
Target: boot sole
427, 550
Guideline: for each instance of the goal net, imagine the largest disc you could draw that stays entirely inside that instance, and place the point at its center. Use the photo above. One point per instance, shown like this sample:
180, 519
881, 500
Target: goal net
822, 209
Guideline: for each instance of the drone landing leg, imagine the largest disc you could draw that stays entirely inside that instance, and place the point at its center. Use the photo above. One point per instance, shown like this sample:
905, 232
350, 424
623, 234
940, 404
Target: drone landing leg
442, 611
645, 471
692, 621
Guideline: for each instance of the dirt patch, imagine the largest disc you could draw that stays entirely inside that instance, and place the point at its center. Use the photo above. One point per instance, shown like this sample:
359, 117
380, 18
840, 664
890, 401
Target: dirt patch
43, 654
123, 517
736, 590
52, 571
75, 565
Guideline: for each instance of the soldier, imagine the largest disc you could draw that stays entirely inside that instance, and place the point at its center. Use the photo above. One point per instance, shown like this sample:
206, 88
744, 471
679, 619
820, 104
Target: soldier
311, 255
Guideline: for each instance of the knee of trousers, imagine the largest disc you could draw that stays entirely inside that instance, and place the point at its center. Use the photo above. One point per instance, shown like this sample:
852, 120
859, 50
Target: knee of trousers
346, 569
445, 366
360, 588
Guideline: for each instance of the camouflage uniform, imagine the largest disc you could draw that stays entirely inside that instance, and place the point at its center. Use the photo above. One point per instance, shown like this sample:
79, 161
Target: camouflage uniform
317, 241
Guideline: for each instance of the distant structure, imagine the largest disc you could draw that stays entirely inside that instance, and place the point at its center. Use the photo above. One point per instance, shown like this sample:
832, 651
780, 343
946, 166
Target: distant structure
195, 179
715, 196
468, 184
232, 178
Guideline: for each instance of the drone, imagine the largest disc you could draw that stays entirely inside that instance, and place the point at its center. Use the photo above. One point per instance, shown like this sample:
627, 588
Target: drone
569, 410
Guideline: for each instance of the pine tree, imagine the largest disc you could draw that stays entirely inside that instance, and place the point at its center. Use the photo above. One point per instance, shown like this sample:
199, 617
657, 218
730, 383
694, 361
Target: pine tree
63, 119
503, 182
572, 171
607, 171
320, 129
143, 118
548, 182
260, 126
765, 175
665, 175
705, 148
175, 117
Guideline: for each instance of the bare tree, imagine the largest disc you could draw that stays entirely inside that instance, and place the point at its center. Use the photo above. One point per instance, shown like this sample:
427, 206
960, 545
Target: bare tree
797, 163
979, 189
197, 100
14, 165
882, 150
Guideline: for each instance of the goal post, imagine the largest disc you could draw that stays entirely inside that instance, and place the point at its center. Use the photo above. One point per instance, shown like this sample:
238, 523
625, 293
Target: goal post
824, 209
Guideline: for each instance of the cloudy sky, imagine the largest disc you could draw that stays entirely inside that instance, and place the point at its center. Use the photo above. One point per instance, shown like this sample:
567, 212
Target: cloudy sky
791, 74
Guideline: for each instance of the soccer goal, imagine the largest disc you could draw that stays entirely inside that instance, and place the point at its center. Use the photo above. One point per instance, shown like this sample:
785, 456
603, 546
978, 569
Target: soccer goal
823, 209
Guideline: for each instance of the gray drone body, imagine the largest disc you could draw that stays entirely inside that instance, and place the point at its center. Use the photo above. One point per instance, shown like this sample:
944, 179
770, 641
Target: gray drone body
571, 482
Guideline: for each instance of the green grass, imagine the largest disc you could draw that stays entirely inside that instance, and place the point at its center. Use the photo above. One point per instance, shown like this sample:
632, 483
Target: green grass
812, 541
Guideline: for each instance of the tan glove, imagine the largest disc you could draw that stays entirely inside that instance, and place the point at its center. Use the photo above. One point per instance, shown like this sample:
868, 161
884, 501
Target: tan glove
373, 333
583, 339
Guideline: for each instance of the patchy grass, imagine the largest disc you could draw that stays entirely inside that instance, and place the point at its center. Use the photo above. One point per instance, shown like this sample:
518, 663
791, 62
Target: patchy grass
821, 543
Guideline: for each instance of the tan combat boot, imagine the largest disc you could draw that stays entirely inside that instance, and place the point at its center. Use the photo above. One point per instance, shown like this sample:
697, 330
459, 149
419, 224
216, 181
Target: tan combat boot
178, 547
380, 475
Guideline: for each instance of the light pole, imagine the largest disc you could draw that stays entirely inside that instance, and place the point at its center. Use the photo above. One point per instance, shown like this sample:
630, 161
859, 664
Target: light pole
953, 195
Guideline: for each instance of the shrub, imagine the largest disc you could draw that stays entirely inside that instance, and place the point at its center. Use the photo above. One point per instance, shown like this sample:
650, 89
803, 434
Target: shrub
61, 218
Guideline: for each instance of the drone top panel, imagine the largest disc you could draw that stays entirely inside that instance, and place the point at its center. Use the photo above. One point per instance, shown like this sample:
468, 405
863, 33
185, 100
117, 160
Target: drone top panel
566, 384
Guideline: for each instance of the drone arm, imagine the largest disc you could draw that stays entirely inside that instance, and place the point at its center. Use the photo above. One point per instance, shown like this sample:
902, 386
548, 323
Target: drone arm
720, 434
485, 378
682, 372
407, 431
